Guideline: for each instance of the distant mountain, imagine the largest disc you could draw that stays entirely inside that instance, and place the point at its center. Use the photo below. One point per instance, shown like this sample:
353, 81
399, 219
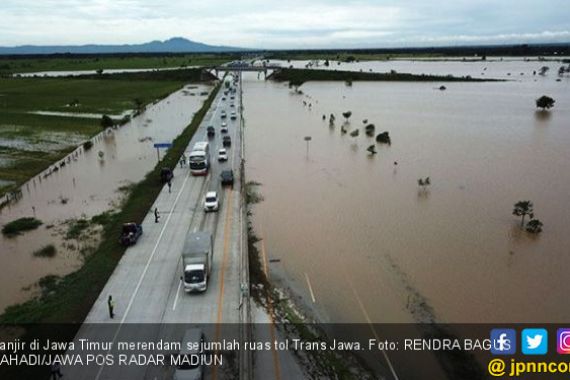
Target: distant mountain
172, 45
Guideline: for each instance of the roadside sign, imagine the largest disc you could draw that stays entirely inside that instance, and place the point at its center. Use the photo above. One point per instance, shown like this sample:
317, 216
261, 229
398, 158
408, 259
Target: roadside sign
163, 145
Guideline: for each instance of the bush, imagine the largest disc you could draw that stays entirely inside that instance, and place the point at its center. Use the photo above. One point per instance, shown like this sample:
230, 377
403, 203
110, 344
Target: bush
47, 251
18, 226
87, 145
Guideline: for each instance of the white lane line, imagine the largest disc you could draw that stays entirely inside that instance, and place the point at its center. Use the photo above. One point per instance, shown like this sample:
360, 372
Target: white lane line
371, 327
310, 288
146, 268
177, 293
153, 251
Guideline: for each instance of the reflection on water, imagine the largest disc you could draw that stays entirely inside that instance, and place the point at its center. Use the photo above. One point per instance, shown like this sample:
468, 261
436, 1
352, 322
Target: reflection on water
88, 184
347, 219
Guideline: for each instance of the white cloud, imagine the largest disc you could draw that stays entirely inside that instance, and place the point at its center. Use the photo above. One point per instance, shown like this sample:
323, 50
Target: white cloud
282, 24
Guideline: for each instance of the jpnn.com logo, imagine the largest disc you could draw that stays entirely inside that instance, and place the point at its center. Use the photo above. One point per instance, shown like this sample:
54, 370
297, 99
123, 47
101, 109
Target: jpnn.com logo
503, 341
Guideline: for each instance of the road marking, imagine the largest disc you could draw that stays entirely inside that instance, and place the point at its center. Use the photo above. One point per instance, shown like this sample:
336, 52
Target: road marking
177, 292
222, 271
390, 366
145, 268
276, 363
310, 288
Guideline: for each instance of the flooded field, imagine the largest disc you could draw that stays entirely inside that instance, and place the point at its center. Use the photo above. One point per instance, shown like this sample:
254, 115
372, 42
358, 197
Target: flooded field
86, 184
515, 69
356, 237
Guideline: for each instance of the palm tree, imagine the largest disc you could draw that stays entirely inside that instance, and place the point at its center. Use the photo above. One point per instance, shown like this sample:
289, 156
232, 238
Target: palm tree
522, 209
347, 115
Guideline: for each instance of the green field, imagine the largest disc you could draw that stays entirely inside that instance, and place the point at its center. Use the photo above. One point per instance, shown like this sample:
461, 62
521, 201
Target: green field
24, 136
106, 62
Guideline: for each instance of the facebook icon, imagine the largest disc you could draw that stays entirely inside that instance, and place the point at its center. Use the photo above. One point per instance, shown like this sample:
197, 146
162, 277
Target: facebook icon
503, 341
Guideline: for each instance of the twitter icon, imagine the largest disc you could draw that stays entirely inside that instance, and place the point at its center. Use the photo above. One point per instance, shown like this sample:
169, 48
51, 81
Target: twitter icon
534, 341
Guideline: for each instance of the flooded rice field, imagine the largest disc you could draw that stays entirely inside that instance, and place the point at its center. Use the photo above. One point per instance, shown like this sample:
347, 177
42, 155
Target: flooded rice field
359, 240
85, 184
514, 69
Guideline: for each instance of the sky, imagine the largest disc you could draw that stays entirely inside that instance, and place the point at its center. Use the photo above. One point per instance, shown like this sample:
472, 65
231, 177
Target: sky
285, 24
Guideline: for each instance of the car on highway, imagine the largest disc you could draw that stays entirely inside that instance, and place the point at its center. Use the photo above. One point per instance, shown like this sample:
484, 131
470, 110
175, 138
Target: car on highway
223, 114
227, 177
223, 98
233, 115
232, 97
211, 131
189, 359
211, 202
227, 141
222, 155
224, 128
232, 105
130, 233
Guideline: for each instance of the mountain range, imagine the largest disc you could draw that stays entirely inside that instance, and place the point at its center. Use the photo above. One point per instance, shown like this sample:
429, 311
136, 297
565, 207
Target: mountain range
172, 45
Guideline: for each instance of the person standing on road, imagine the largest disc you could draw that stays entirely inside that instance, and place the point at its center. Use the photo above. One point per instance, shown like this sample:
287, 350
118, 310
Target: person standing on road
55, 370
111, 305
169, 186
156, 215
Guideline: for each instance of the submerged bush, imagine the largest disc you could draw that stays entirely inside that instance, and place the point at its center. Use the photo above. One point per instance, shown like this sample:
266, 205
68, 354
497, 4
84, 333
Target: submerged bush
16, 227
47, 251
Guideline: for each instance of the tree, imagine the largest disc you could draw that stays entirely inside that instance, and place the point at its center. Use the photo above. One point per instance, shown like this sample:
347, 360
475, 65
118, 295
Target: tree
534, 226
99, 71
347, 115
424, 183
106, 121
543, 70
522, 209
545, 102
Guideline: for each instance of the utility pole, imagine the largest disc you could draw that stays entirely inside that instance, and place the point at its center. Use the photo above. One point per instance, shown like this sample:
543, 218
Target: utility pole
307, 139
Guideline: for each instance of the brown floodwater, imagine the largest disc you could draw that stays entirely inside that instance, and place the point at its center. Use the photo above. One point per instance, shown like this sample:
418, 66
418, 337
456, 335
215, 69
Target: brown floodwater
371, 243
86, 186
511, 68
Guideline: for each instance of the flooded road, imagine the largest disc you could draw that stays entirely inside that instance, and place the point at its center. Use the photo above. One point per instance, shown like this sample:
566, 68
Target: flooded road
88, 184
356, 234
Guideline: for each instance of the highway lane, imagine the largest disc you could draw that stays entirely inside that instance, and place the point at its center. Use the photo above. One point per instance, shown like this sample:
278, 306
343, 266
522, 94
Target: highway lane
146, 284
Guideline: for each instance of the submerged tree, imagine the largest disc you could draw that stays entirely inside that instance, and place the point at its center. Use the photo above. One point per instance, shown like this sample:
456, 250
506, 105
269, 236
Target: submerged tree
545, 102
424, 183
534, 226
522, 209
347, 115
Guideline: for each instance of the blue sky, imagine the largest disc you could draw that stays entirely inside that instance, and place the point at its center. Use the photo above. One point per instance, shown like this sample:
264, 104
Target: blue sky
285, 23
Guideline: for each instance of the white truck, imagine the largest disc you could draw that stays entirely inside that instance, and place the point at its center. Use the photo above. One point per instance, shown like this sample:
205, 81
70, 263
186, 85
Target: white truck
197, 256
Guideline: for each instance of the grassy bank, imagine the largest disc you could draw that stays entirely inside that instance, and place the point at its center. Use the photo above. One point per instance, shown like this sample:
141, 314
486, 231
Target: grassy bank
71, 298
62, 62
29, 143
300, 76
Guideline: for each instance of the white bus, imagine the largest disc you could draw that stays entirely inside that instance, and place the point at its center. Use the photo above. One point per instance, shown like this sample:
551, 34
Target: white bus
199, 158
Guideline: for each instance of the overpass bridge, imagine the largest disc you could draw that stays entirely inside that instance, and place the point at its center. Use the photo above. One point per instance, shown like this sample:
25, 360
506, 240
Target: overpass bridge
267, 70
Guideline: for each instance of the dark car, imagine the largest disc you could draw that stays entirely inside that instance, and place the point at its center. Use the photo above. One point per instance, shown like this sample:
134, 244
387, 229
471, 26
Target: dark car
166, 175
130, 234
227, 140
211, 131
227, 177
